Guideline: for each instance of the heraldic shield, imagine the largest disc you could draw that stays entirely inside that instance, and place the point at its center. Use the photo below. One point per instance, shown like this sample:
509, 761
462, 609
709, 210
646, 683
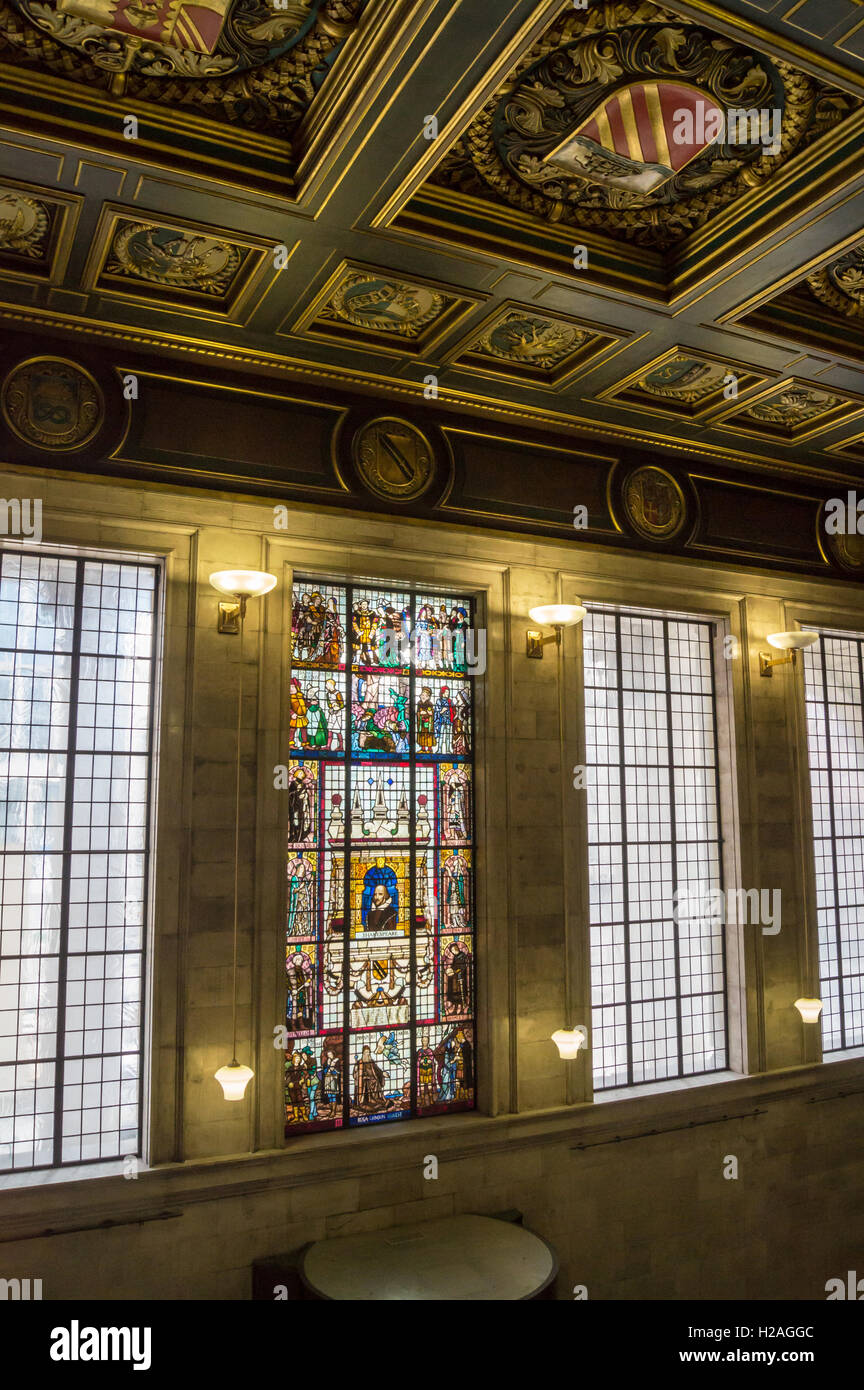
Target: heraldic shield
172, 22
642, 136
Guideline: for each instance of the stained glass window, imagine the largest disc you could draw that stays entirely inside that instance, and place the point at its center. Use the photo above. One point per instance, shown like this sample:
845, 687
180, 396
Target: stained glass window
380, 918
834, 688
658, 974
77, 658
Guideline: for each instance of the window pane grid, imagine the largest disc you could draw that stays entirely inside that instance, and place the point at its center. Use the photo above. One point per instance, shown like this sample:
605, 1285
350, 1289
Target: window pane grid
834, 694
658, 984
77, 641
380, 923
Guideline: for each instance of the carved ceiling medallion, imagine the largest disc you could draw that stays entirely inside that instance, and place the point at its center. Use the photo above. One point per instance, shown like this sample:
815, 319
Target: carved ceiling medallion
52, 404
259, 63
387, 306
847, 549
684, 379
168, 256
531, 340
174, 38
793, 407
393, 458
23, 224
654, 503
840, 285
618, 122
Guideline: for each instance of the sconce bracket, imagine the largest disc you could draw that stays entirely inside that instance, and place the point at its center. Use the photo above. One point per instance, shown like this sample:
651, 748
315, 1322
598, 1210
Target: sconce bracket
229, 618
767, 663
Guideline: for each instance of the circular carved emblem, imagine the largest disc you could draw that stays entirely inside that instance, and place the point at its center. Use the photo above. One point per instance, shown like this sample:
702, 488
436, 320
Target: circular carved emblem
52, 403
388, 306
393, 459
535, 341
847, 549
171, 257
654, 503
23, 223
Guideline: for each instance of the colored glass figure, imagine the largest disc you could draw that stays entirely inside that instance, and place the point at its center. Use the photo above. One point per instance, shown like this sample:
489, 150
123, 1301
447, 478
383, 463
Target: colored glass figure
379, 923
301, 992
456, 891
302, 804
456, 973
302, 897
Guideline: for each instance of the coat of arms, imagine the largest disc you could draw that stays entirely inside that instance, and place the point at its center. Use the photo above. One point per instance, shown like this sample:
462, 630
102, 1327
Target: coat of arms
639, 138
52, 403
174, 38
654, 503
192, 24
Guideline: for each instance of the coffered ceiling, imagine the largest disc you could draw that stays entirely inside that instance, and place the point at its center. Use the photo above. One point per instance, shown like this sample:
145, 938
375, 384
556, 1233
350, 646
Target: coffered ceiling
482, 202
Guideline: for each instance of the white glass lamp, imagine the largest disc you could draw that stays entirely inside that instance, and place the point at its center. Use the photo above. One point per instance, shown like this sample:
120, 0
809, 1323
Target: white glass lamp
568, 1042
791, 642
809, 1009
239, 585
234, 1079
554, 615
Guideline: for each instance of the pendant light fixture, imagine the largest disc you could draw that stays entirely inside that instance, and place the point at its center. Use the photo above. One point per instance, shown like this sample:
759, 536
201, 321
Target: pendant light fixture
239, 585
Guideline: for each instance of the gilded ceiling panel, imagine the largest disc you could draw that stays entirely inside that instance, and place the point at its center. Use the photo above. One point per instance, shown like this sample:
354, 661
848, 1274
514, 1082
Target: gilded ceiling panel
36, 228
254, 63
521, 344
823, 306
792, 410
161, 262
685, 383
366, 306
638, 124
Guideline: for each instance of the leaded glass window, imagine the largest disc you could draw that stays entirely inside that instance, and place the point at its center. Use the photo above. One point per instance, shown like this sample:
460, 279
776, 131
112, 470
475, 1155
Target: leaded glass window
658, 974
834, 688
380, 916
77, 658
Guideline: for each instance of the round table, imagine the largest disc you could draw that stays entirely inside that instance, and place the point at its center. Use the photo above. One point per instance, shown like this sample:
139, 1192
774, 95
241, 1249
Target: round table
458, 1258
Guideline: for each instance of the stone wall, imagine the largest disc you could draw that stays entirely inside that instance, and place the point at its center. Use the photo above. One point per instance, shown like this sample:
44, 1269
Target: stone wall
633, 1214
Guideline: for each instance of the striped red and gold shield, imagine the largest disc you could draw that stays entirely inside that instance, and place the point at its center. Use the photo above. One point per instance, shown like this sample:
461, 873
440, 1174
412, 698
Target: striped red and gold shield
178, 24
641, 136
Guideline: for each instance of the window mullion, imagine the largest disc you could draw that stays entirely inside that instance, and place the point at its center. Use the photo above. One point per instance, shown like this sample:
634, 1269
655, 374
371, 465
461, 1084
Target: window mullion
68, 832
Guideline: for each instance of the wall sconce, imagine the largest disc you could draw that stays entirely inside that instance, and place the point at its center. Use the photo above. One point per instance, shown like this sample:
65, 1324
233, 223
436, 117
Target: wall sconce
554, 615
809, 1009
240, 585
790, 642
569, 1040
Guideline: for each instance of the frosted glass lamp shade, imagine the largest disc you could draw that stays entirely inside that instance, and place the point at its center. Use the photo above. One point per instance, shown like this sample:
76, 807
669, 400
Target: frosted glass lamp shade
792, 641
568, 1042
234, 1079
243, 583
558, 614
809, 1009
